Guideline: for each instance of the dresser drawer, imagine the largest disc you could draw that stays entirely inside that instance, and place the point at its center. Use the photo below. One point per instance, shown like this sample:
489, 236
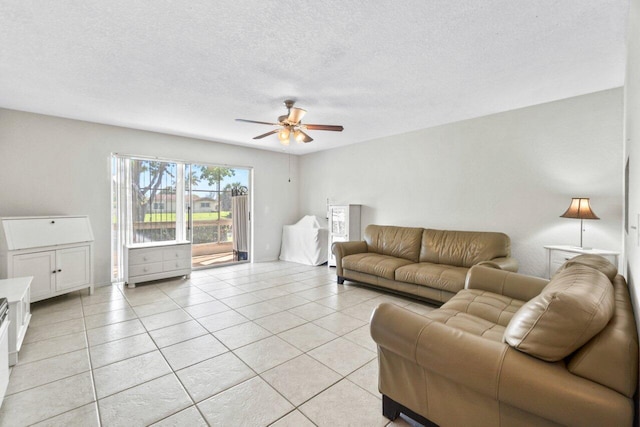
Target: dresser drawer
177, 252
144, 256
144, 269
178, 264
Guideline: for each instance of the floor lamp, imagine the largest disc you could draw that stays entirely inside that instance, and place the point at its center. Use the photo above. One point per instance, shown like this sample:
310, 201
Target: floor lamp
580, 209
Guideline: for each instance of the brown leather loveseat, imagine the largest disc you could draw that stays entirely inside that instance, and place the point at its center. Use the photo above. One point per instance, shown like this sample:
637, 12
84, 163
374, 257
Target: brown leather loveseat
426, 263
515, 350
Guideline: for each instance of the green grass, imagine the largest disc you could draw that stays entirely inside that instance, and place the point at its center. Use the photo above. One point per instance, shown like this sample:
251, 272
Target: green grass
197, 216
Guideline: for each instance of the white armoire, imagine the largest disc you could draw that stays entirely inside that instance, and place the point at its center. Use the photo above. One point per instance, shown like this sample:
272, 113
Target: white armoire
57, 251
344, 226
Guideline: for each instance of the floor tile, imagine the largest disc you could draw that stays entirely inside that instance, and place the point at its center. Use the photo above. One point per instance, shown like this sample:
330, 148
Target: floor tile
267, 353
241, 335
280, 322
301, 378
115, 351
103, 307
222, 320
44, 319
177, 333
256, 311
342, 355
206, 309
155, 308
367, 378
344, 404
311, 311
188, 417
362, 337
339, 323
114, 332
241, 300
162, 320
307, 336
214, 375
128, 373
28, 375
84, 416
192, 299
288, 301
192, 351
37, 404
251, 403
144, 404
38, 333
293, 419
39, 350
110, 317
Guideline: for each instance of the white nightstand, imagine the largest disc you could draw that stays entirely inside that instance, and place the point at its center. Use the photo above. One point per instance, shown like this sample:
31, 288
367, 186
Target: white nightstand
558, 254
17, 293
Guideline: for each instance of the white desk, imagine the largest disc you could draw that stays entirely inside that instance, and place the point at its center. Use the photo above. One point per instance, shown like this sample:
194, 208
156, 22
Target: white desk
559, 254
17, 293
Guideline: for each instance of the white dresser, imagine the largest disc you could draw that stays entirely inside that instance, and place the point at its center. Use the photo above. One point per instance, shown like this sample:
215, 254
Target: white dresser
144, 262
16, 291
57, 251
559, 254
344, 226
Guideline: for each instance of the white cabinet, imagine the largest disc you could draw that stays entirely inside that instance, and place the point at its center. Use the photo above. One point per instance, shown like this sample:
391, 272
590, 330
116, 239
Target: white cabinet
56, 251
16, 291
158, 261
344, 226
4, 358
559, 254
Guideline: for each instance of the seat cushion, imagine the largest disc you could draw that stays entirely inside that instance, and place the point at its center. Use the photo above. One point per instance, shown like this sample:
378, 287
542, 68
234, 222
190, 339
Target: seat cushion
439, 276
576, 304
486, 305
468, 323
376, 264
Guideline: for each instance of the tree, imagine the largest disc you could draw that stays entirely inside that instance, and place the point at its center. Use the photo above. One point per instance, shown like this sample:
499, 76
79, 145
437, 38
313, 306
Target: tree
145, 193
225, 196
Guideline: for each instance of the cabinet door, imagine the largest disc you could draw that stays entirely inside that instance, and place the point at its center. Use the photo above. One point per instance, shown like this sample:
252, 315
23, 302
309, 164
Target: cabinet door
73, 267
41, 266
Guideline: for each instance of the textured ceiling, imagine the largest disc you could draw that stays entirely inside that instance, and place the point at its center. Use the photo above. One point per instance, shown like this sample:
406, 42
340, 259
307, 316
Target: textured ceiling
379, 68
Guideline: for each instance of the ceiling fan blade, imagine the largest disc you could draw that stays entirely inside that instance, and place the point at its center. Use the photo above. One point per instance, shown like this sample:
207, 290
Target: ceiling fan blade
253, 121
265, 134
307, 138
324, 127
296, 115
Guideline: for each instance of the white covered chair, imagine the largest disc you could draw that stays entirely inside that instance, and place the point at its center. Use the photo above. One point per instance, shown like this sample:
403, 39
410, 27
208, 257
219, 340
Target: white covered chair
305, 242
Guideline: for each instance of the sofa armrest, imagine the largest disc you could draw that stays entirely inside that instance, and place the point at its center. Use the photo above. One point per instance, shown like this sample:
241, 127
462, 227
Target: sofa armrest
505, 283
496, 370
342, 249
503, 263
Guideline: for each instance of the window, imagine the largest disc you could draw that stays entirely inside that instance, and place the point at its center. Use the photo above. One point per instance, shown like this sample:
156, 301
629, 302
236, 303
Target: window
205, 205
158, 206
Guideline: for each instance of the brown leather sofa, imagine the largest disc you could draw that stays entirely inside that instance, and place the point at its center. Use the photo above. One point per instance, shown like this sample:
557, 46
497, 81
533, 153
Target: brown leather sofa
513, 350
427, 263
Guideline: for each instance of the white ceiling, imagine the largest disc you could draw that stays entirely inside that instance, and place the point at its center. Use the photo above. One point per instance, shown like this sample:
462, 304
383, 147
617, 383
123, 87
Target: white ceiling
379, 68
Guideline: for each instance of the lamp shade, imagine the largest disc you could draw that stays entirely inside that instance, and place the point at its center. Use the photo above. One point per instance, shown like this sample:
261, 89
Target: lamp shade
580, 209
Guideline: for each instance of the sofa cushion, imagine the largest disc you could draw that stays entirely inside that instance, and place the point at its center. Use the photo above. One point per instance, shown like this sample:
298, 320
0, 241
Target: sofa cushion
495, 308
439, 276
399, 242
463, 248
468, 323
594, 261
576, 304
372, 263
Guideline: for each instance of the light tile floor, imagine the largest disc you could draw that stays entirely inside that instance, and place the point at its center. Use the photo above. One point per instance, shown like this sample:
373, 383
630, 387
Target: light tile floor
247, 345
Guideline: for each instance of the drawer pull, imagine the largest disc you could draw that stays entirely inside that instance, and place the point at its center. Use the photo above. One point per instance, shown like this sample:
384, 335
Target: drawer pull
54, 272
53, 222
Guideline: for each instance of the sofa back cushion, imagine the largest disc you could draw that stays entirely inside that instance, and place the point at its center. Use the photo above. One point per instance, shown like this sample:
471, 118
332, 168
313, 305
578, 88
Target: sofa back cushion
463, 248
576, 305
594, 261
400, 242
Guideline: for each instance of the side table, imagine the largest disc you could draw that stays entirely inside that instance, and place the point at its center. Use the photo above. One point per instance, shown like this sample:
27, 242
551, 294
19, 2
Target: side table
559, 254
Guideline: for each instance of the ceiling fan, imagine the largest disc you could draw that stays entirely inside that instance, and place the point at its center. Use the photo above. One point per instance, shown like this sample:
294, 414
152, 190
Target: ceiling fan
291, 125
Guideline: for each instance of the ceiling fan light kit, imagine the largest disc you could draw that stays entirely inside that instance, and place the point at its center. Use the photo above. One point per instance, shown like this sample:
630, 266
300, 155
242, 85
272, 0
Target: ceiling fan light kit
291, 125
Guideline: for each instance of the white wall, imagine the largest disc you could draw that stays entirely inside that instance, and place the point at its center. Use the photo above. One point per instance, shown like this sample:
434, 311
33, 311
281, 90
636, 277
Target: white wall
54, 166
632, 151
513, 172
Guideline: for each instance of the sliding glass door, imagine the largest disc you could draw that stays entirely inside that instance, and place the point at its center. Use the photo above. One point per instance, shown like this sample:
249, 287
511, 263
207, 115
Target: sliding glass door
160, 200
